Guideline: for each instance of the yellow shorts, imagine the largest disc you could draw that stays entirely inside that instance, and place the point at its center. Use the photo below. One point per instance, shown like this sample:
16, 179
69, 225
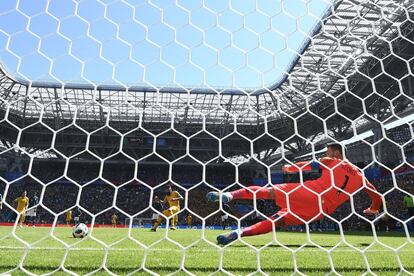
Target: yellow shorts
21, 212
174, 209
171, 211
22, 216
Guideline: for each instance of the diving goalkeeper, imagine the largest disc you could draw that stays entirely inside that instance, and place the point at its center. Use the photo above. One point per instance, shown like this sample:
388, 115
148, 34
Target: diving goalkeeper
299, 203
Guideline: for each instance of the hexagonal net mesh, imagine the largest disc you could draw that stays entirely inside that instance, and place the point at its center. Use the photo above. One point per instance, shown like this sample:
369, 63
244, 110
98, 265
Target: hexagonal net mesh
206, 137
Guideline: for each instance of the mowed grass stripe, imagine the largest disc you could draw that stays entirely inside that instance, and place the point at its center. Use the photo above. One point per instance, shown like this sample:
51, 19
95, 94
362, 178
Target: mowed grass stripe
308, 249
165, 257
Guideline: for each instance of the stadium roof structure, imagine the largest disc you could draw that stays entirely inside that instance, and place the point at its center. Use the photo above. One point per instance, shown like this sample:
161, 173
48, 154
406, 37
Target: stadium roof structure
357, 60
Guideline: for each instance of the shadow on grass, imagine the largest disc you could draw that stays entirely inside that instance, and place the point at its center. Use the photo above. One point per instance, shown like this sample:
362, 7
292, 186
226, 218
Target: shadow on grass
357, 233
284, 245
328, 246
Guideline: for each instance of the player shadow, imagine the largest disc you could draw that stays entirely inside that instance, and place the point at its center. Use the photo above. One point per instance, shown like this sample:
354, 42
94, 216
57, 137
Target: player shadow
363, 233
282, 246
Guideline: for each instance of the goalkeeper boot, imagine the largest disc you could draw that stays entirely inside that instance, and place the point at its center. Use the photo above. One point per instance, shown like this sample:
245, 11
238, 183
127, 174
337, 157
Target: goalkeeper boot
227, 238
215, 196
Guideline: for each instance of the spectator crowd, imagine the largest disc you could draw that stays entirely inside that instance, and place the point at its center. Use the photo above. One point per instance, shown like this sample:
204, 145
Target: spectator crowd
97, 198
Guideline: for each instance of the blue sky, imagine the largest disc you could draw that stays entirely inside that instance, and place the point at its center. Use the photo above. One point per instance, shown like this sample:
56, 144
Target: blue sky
191, 43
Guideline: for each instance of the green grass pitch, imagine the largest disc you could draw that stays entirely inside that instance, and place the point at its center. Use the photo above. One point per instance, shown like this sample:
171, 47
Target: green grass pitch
164, 256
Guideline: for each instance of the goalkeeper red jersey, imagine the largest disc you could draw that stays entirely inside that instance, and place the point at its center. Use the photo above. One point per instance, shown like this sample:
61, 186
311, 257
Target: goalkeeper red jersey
338, 181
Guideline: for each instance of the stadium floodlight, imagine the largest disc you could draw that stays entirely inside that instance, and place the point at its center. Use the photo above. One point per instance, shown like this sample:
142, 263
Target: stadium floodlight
121, 115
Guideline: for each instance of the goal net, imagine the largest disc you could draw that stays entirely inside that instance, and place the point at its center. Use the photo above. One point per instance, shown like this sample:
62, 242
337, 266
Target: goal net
119, 113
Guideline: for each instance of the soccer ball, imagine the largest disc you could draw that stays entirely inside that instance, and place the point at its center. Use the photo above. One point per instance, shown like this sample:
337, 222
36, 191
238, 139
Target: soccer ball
80, 230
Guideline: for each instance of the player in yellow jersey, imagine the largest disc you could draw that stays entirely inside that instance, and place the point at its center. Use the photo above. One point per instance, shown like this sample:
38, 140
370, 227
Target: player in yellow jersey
173, 198
22, 205
174, 222
68, 217
189, 220
114, 217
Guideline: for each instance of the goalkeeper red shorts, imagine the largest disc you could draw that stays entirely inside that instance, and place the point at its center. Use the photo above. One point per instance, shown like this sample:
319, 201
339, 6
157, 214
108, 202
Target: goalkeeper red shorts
298, 204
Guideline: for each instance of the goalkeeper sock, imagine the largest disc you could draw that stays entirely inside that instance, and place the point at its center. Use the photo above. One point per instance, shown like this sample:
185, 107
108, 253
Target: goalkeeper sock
261, 193
262, 227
